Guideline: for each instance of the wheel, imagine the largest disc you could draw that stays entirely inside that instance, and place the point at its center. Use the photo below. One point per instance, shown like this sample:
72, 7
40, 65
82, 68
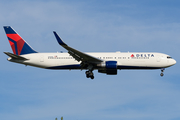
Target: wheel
87, 72
92, 77
90, 74
161, 74
87, 76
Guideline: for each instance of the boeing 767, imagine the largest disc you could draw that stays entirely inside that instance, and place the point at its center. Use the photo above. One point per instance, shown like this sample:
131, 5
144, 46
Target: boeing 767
105, 62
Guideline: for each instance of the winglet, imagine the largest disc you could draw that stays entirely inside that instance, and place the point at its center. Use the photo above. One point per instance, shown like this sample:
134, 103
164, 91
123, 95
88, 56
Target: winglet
77, 55
59, 39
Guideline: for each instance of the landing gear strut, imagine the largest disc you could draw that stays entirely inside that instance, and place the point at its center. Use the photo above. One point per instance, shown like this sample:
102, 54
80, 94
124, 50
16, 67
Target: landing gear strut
162, 70
89, 74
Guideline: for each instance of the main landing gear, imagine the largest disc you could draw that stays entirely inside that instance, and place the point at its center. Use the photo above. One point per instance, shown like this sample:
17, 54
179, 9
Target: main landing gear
162, 70
89, 74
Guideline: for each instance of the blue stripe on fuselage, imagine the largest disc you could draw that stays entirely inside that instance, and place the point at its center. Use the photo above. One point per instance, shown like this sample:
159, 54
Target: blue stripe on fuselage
78, 66
136, 67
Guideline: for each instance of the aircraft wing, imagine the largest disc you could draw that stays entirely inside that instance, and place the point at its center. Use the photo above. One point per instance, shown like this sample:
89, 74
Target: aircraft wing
78, 55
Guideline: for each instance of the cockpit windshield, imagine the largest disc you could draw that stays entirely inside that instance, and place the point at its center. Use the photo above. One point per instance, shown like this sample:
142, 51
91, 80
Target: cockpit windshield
168, 57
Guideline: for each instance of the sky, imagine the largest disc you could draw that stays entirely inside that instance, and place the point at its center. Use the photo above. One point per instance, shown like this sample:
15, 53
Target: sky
29, 93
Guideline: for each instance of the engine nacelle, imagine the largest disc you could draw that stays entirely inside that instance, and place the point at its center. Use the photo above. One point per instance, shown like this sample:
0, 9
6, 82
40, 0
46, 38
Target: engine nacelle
109, 67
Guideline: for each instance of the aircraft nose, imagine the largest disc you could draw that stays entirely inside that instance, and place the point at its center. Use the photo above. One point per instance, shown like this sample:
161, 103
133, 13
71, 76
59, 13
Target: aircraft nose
173, 61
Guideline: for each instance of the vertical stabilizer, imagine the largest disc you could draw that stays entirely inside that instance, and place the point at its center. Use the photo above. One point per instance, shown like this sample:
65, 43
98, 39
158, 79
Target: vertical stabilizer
18, 45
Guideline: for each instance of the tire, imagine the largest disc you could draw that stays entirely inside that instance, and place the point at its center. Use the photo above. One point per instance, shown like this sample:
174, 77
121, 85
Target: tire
92, 77
161, 74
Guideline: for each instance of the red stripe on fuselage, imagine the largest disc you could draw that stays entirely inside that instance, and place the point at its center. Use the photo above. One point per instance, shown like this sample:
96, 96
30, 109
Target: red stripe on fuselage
20, 42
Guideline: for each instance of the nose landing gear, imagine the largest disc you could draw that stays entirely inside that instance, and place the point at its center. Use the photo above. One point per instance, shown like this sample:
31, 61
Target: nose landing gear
162, 70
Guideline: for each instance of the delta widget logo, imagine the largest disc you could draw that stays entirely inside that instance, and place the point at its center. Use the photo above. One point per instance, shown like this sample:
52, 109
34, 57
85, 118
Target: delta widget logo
142, 55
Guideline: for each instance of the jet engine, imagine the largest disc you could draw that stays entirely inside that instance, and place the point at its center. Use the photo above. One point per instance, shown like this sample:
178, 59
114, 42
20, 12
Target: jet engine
108, 67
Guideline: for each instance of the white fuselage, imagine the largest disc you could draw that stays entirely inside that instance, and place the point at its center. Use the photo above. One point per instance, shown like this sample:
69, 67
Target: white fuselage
106, 62
133, 60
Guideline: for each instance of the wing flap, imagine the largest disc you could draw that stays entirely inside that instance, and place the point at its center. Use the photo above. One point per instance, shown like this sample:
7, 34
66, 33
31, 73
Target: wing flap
75, 56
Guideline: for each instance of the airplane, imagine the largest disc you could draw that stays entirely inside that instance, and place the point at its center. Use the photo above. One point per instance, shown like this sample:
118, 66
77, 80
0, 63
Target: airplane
105, 62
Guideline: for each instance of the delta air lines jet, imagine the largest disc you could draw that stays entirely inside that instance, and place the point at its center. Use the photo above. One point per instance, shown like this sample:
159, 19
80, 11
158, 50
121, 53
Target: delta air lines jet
106, 62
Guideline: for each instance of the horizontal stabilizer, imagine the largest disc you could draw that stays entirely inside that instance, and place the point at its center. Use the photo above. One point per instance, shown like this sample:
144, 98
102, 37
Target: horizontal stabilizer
15, 56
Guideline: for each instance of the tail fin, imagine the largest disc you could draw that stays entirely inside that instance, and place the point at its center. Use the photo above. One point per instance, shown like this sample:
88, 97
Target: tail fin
18, 45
